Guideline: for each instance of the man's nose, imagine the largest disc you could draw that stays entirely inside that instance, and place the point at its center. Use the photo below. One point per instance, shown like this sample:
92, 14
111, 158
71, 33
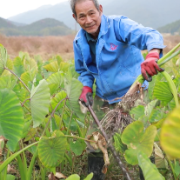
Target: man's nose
88, 20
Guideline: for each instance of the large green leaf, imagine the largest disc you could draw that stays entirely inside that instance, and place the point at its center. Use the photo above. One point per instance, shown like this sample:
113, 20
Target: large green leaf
78, 147
9, 64
119, 146
52, 67
149, 170
73, 177
64, 66
73, 89
150, 107
137, 112
39, 102
156, 115
7, 81
138, 141
163, 92
11, 118
21, 93
10, 177
51, 150
30, 64
55, 81
28, 76
170, 134
3, 58
18, 66
59, 97
89, 177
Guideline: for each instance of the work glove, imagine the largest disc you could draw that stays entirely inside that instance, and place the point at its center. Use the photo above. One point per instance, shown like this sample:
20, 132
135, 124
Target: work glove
85, 99
150, 67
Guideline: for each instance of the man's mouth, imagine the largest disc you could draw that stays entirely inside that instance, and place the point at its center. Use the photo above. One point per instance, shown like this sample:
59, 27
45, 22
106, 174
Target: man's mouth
90, 26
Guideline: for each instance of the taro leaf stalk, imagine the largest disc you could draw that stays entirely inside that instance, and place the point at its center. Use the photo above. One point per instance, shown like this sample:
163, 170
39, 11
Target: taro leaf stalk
171, 54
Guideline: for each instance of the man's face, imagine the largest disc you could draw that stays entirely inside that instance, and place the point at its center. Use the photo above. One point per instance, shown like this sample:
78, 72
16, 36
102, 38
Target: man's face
88, 17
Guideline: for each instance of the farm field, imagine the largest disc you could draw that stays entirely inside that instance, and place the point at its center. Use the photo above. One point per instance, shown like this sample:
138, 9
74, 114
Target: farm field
42, 130
46, 47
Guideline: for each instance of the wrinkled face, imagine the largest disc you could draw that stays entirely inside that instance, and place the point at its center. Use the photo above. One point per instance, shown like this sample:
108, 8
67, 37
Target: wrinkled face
88, 17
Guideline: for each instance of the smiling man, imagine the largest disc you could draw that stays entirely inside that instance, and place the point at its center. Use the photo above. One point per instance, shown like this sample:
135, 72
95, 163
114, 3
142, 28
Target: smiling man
108, 52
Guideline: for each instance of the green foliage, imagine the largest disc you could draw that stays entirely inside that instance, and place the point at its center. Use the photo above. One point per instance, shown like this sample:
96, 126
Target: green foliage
39, 102
73, 88
149, 170
55, 81
137, 112
160, 160
11, 118
3, 58
120, 147
10, 177
78, 147
76, 177
51, 150
170, 134
73, 177
163, 92
138, 141
39, 105
89, 177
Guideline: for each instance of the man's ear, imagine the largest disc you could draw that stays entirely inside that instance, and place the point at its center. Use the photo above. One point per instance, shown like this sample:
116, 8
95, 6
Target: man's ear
74, 16
101, 8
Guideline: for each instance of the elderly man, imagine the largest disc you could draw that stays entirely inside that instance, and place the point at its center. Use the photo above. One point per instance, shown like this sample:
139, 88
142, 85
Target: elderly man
108, 52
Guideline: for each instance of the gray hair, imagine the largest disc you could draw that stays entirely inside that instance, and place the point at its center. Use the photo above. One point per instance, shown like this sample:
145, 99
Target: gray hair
73, 4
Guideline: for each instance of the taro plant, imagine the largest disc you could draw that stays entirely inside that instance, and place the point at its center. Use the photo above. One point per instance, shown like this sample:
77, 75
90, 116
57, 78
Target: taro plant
39, 112
42, 127
155, 130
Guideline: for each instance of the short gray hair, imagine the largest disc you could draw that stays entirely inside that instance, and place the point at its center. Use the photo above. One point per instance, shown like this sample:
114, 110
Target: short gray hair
73, 4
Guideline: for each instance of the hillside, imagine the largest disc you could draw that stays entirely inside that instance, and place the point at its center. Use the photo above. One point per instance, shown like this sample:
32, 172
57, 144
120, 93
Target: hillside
44, 27
171, 28
150, 13
6, 24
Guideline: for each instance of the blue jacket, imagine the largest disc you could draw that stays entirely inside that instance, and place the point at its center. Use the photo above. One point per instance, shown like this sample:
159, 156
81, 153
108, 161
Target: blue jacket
118, 55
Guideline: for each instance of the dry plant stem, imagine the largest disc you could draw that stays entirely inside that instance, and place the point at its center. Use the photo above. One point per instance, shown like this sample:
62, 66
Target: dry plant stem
18, 78
52, 114
115, 154
105, 153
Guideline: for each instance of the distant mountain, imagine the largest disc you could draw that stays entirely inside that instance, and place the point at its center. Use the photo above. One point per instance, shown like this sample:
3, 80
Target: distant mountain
150, 13
6, 24
171, 28
44, 27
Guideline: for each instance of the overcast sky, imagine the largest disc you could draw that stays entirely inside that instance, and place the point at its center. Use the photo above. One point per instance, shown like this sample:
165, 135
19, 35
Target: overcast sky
10, 8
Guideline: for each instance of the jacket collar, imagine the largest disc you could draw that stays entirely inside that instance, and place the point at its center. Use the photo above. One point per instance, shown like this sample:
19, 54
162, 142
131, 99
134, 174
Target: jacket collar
103, 29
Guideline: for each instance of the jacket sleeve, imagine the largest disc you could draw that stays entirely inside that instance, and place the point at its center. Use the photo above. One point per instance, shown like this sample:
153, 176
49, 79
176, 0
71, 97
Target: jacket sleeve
85, 77
135, 34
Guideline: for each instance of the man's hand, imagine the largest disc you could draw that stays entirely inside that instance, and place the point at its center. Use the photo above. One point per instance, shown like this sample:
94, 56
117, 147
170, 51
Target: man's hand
85, 99
150, 67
